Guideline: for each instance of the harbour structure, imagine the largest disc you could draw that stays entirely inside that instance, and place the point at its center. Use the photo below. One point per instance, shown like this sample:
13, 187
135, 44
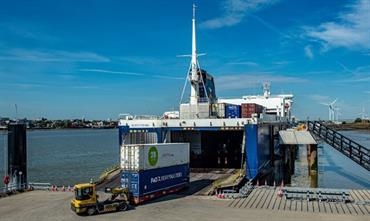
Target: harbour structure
15, 163
237, 133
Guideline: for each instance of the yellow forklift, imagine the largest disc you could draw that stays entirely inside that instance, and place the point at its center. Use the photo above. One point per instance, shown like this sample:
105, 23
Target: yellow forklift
86, 200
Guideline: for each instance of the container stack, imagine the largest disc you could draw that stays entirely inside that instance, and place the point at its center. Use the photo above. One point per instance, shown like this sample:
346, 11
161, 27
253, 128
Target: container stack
225, 110
152, 170
250, 108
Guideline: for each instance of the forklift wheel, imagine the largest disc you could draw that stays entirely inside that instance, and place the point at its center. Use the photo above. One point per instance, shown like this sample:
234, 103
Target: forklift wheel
123, 207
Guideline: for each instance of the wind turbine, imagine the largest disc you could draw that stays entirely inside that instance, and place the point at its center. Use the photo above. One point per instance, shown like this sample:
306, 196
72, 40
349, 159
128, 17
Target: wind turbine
337, 113
331, 109
363, 114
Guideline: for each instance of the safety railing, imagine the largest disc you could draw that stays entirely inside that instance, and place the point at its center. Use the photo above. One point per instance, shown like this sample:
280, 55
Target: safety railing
345, 145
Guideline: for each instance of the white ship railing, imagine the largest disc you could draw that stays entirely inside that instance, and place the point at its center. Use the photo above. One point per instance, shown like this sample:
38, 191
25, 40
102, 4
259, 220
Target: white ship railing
149, 121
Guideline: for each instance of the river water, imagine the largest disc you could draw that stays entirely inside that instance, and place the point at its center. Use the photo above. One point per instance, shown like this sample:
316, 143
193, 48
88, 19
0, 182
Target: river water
335, 170
66, 157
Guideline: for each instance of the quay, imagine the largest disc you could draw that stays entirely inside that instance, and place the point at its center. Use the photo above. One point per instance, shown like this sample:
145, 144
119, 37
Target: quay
331, 201
44, 205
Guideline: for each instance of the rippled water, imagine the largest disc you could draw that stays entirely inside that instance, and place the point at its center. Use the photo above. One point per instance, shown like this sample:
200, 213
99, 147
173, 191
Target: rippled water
335, 169
65, 157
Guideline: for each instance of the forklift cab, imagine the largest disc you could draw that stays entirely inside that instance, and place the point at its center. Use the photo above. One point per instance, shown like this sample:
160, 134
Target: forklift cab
85, 195
85, 192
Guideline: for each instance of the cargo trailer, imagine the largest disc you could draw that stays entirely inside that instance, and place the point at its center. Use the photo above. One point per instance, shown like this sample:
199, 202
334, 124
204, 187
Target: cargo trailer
148, 184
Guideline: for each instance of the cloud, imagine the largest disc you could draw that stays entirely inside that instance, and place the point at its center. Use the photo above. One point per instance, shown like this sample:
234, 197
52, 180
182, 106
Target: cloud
234, 82
351, 30
246, 63
168, 77
140, 60
234, 11
270, 26
318, 98
308, 52
360, 74
86, 87
111, 72
281, 63
51, 56
27, 30
132, 74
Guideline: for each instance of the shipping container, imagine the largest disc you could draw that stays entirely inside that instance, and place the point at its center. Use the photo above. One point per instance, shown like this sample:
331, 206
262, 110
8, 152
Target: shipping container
148, 184
221, 110
232, 111
225, 110
199, 111
136, 157
248, 109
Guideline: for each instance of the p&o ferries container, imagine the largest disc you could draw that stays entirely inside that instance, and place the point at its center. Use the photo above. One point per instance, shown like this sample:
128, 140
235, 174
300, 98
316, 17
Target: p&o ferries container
153, 170
148, 184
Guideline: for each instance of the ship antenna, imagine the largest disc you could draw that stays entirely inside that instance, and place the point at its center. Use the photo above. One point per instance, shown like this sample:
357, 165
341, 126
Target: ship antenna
194, 68
194, 78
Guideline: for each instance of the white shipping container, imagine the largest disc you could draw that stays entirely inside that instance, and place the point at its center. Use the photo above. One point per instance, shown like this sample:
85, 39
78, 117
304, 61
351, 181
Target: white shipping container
137, 157
188, 111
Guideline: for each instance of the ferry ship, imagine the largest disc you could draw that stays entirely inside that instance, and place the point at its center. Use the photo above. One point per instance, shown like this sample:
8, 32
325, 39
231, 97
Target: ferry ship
236, 133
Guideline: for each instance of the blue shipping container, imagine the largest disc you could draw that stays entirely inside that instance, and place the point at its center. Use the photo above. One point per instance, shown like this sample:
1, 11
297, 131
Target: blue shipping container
154, 180
232, 111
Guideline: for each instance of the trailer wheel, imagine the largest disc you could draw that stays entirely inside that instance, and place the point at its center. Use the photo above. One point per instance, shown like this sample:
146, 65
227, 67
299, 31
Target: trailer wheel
123, 207
91, 211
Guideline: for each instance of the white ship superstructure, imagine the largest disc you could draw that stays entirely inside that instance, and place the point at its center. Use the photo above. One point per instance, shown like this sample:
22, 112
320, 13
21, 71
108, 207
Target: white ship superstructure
279, 105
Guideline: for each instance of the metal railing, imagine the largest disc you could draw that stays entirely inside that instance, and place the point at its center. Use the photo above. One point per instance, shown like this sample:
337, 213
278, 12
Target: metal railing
348, 147
13, 187
34, 186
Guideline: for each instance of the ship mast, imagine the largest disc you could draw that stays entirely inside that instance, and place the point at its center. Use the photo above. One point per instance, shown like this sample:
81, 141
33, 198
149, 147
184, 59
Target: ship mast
194, 77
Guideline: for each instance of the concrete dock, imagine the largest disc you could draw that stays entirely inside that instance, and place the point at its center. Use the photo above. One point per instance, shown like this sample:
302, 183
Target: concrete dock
353, 203
46, 205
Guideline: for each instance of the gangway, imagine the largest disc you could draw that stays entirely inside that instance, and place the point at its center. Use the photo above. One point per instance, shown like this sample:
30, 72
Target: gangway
345, 145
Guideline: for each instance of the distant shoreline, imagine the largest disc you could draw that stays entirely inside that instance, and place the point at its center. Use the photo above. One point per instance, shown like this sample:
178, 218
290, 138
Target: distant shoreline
365, 127
66, 128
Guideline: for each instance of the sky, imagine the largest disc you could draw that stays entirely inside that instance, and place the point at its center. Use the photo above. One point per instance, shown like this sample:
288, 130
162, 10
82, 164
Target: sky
97, 59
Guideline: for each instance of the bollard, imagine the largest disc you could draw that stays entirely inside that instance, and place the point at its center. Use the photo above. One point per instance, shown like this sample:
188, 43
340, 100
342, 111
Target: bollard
63, 189
274, 183
258, 183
